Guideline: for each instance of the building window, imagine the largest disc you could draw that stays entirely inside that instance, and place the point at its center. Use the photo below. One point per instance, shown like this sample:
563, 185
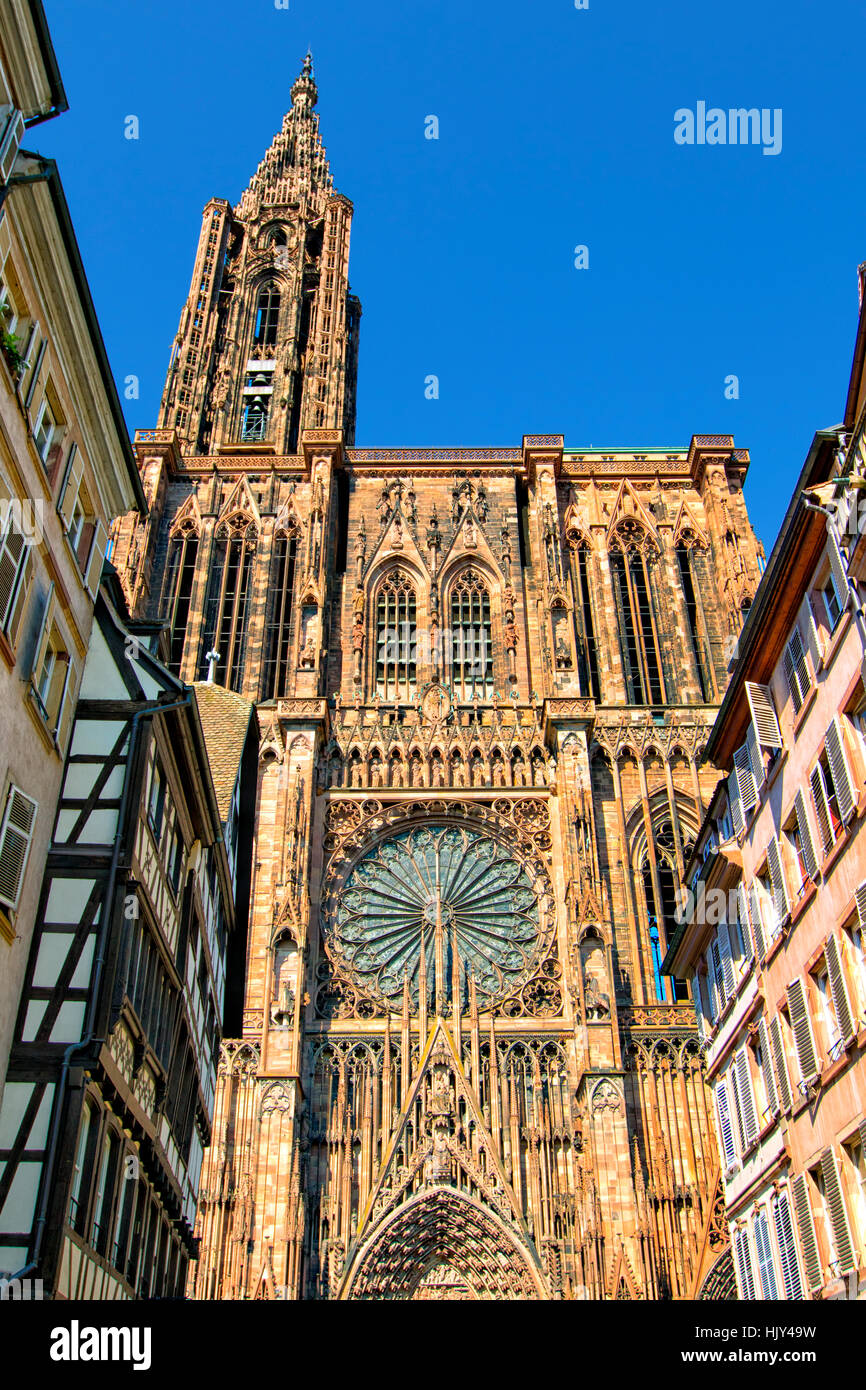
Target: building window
16, 836
256, 408
588, 657
787, 1246
826, 802
764, 1251
833, 602
53, 677
177, 590
280, 620
82, 1170
104, 1196
267, 316
395, 638
471, 638
16, 573
694, 612
227, 606
156, 801
639, 641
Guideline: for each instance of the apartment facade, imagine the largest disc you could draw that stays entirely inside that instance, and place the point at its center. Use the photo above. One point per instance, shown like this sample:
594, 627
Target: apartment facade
66, 468
773, 939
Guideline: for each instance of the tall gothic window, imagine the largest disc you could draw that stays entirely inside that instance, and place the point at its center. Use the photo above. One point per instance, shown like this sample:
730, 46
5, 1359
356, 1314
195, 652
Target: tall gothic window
588, 657
257, 395
660, 897
177, 589
395, 638
228, 598
471, 638
638, 635
267, 316
694, 611
280, 618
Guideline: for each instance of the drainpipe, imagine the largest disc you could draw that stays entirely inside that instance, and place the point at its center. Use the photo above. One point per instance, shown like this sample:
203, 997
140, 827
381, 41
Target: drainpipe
146, 712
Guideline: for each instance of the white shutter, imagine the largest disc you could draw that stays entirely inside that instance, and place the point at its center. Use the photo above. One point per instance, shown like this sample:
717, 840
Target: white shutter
780, 1061
841, 773
66, 712
822, 809
69, 493
736, 805
726, 1129
806, 1227
757, 920
743, 1254
812, 637
807, 844
838, 1212
10, 143
16, 835
839, 988
777, 878
860, 900
796, 670
13, 552
839, 570
801, 1026
715, 959
746, 1097
745, 923
787, 1247
727, 960
767, 1067
764, 1252
746, 784
93, 572
764, 719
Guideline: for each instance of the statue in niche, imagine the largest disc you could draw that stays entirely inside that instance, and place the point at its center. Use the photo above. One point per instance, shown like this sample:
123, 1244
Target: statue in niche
519, 772
563, 654
285, 978
538, 771
415, 776
436, 773
477, 770
498, 769
596, 990
481, 503
376, 770
458, 773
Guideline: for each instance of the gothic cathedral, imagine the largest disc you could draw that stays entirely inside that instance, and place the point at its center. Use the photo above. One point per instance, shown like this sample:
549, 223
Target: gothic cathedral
483, 679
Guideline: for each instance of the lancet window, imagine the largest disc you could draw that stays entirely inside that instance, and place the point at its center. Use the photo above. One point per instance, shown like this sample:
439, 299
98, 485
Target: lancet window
695, 614
227, 606
588, 656
177, 589
267, 316
280, 615
642, 664
396, 672
471, 638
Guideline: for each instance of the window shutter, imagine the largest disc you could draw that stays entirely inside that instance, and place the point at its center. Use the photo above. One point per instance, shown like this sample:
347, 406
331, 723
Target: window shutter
764, 1251
746, 1098
839, 988
31, 386
860, 900
838, 1213
726, 1129
44, 633
29, 354
745, 923
807, 844
736, 805
839, 768
757, 922
69, 494
812, 638
743, 1255
13, 549
822, 810
93, 573
746, 785
700, 1015
801, 1025
839, 570
806, 1227
764, 719
787, 1247
16, 835
796, 670
777, 878
767, 1067
727, 960
781, 1063
66, 713
716, 976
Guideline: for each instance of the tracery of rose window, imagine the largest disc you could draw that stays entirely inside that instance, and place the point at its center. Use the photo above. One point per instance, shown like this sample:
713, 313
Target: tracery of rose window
452, 889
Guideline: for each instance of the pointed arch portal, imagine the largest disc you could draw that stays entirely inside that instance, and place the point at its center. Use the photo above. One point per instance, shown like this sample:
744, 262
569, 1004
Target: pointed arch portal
443, 1245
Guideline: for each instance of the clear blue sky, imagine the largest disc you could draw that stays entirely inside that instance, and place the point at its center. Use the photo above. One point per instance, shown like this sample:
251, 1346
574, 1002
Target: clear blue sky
556, 129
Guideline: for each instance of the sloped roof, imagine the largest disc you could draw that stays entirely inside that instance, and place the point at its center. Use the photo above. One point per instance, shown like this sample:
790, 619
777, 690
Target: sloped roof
225, 718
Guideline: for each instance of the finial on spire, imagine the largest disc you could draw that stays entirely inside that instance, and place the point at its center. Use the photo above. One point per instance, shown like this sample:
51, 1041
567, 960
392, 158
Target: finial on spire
304, 90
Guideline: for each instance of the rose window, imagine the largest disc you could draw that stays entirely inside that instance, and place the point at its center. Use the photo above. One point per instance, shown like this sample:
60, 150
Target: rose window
454, 890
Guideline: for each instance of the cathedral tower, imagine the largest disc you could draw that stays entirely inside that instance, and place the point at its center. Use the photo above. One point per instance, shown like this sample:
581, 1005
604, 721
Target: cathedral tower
484, 679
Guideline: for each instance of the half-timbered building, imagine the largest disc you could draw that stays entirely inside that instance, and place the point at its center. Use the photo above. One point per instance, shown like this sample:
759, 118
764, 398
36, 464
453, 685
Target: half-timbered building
110, 1094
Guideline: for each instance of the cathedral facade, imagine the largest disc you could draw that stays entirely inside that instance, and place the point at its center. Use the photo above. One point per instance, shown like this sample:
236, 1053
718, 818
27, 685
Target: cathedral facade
484, 679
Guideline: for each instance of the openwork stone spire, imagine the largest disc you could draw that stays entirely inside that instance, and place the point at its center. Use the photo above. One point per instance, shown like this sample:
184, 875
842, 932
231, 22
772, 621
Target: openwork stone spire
296, 162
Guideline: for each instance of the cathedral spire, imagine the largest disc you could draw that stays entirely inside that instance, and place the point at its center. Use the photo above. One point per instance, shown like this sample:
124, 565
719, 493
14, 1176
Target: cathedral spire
296, 163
